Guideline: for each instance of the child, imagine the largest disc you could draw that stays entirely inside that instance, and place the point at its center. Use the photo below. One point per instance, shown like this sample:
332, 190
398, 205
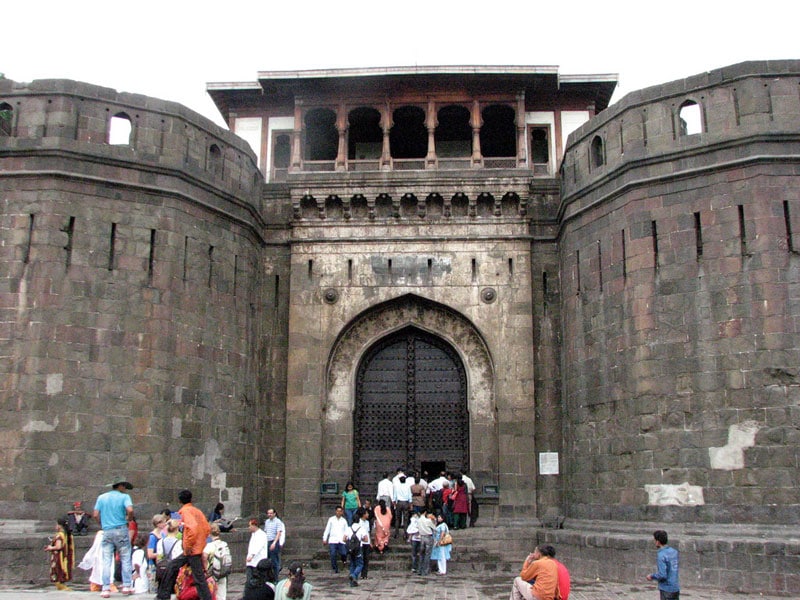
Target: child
139, 561
62, 555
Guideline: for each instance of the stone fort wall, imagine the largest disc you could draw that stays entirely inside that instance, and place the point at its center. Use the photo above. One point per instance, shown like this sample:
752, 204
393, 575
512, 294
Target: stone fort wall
147, 314
679, 258
130, 302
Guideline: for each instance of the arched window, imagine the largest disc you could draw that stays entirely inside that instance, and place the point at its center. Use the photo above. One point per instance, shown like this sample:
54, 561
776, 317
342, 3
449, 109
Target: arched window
690, 118
214, 159
598, 153
6, 118
409, 136
321, 137
364, 137
453, 135
120, 129
540, 146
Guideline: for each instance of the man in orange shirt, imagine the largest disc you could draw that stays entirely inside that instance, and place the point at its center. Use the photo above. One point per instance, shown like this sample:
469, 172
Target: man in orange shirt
195, 533
543, 572
563, 574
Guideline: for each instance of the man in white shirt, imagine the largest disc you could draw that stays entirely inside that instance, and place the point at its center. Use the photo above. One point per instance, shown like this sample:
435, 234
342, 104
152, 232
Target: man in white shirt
257, 549
435, 491
334, 536
385, 490
359, 530
402, 501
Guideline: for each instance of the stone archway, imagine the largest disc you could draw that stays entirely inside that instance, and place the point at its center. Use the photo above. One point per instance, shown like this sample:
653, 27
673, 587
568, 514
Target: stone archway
409, 382
375, 324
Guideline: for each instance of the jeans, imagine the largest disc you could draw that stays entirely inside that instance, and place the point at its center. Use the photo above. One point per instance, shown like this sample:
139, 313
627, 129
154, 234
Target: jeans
195, 561
365, 551
274, 557
401, 516
116, 540
416, 555
349, 513
337, 550
425, 549
356, 565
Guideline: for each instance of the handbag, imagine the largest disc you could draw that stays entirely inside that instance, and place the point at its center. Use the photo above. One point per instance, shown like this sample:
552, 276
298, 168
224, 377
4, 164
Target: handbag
446, 539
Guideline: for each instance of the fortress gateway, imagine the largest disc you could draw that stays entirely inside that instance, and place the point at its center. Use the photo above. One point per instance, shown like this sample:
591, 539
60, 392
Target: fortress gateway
595, 311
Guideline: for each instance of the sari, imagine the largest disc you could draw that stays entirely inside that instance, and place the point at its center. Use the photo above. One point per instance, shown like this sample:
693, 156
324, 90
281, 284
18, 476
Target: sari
383, 528
63, 559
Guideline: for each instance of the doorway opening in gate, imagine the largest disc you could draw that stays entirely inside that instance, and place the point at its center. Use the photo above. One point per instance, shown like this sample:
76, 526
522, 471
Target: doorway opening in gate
410, 408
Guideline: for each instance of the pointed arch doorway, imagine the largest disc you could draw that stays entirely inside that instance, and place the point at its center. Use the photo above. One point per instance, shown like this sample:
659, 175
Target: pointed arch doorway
410, 408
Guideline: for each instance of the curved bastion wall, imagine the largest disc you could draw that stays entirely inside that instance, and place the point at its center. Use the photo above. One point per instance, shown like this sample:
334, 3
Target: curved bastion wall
129, 272
680, 262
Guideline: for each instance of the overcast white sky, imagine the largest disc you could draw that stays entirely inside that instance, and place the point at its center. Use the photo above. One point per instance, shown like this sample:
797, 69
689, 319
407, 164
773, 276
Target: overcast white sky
170, 49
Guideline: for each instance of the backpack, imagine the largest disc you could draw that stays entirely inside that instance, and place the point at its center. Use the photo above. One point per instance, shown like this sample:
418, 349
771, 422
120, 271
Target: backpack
354, 544
221, 560
163, 563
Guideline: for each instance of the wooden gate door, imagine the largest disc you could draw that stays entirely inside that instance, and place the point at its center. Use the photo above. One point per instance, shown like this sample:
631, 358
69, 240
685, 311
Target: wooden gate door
411, 407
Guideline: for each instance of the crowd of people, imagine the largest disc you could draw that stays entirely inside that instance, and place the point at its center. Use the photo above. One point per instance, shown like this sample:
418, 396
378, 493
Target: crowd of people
184, 549
183, 554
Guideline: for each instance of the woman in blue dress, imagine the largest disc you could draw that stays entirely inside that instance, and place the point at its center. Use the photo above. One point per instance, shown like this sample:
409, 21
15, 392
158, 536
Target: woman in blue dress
440, 554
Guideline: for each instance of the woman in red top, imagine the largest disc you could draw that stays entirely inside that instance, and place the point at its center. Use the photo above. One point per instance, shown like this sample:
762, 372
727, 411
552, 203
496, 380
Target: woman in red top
447, 507
460, 505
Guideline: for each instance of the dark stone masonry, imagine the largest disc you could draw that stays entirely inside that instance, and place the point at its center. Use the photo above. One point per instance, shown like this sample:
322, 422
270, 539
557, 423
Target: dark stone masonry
430, 268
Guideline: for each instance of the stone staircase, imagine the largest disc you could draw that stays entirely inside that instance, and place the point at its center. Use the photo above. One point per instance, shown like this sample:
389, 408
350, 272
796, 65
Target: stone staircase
736, 558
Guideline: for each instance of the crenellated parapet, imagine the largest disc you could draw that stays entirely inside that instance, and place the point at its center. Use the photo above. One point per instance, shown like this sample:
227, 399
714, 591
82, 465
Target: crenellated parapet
86, 131
683, 127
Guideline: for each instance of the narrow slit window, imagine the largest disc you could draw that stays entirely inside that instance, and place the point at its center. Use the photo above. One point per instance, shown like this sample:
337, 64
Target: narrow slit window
349, 269
510, 266
742, 232
185, 256
624, 257
654, 234
698, 235
474, 270
235, 273
598, 153
70, 231
112, 246
29, 244
277, 290
787, 219
152, 258
600, 265
578, 271
310, 269
210, 264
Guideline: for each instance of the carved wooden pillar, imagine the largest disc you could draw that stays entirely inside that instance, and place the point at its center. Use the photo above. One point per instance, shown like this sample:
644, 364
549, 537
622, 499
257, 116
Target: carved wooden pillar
296, 163
476, 122
430, 123
522, 145
386, 127
341, 128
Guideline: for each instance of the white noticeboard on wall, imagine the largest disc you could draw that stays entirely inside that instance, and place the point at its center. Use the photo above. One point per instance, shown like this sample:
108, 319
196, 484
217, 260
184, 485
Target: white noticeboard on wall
548, 463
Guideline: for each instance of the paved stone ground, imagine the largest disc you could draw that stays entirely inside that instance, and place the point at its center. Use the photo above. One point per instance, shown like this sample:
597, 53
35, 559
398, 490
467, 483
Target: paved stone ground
393, 586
